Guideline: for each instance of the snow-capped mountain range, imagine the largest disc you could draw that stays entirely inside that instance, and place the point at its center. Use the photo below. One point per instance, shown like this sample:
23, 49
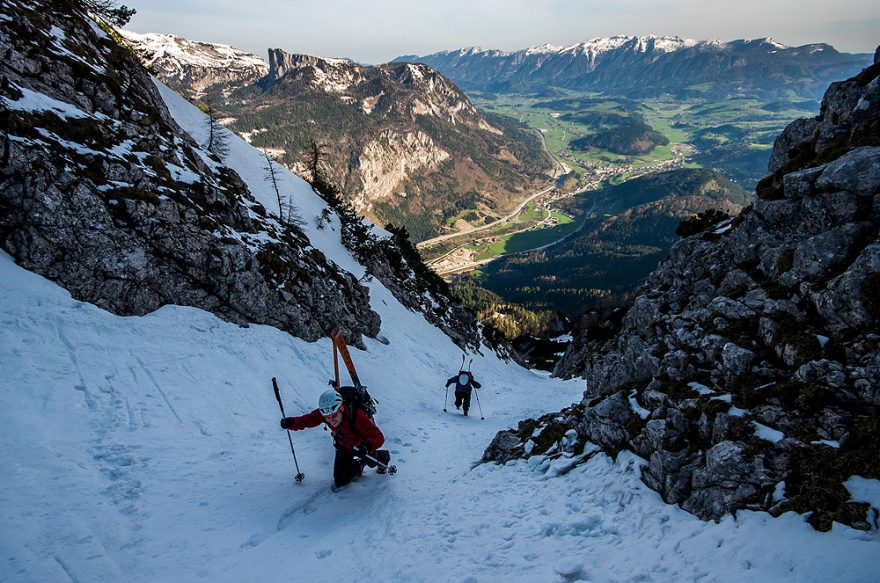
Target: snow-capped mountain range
599, 45
649, 65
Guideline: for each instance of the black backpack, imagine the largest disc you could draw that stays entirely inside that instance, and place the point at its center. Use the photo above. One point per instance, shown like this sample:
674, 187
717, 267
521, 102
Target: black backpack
357, 398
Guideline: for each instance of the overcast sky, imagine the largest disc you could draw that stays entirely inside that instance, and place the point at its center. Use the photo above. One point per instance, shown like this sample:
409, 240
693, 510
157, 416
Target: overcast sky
376, 31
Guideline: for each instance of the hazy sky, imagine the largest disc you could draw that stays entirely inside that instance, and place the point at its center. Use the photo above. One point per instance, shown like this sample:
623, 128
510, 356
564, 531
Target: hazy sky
376, 31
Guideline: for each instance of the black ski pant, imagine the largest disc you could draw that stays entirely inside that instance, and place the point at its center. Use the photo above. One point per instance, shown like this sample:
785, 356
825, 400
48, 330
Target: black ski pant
345, 467
463, 399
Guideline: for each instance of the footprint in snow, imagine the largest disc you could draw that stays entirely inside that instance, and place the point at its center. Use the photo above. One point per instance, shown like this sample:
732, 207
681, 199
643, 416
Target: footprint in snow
570, 570
254, 541
323, 553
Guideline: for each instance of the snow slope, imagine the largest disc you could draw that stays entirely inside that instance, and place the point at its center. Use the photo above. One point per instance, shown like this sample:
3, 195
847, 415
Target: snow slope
148, 449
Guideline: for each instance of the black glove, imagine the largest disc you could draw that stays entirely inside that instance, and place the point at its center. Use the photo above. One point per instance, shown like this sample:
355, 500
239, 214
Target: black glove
361, 451
287, 423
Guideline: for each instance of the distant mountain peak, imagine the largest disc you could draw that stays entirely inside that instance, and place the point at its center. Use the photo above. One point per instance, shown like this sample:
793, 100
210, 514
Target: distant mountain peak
160, 46
774, 43
666, 43
545, 48
333, 75
194, 67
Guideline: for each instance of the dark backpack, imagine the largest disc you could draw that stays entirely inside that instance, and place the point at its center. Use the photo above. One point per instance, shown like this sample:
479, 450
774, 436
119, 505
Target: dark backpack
357, 398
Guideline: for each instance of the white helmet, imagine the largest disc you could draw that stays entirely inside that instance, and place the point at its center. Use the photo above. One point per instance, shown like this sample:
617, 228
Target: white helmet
330, 402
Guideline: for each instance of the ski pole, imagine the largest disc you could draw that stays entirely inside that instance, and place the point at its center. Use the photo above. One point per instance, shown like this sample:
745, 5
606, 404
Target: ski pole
470, 362
478, 403
299, 475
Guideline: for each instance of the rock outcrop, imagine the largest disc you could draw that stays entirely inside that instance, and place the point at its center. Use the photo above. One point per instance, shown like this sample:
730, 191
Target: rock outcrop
102, 192
746, 371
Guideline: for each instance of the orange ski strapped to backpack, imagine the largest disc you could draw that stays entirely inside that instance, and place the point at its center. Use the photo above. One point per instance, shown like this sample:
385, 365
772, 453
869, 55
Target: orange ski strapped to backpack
355, 397
340, 347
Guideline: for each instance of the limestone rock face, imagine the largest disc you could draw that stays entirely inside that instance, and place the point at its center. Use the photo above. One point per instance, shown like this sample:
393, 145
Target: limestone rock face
103, 193
753, 354
331, 75
389, 161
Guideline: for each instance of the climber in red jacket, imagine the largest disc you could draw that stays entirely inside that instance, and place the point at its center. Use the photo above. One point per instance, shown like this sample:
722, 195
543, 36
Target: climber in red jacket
356, 437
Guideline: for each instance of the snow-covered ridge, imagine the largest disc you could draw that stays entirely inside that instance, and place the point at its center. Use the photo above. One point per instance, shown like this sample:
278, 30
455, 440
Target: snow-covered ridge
543, 49
601, 45
170, 47
473, 51
775, 43
640, 44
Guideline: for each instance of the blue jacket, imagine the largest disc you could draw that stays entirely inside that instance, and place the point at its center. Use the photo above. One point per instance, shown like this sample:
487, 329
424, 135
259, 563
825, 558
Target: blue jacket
463, 388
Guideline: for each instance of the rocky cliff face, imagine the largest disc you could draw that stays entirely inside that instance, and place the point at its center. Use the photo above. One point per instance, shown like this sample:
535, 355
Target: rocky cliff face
401, 142
391, 159
423, 90
746, 371
102, 192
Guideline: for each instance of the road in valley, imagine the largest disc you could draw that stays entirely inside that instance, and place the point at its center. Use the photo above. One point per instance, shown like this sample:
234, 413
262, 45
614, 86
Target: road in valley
501, 221
462, 258
561, 169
